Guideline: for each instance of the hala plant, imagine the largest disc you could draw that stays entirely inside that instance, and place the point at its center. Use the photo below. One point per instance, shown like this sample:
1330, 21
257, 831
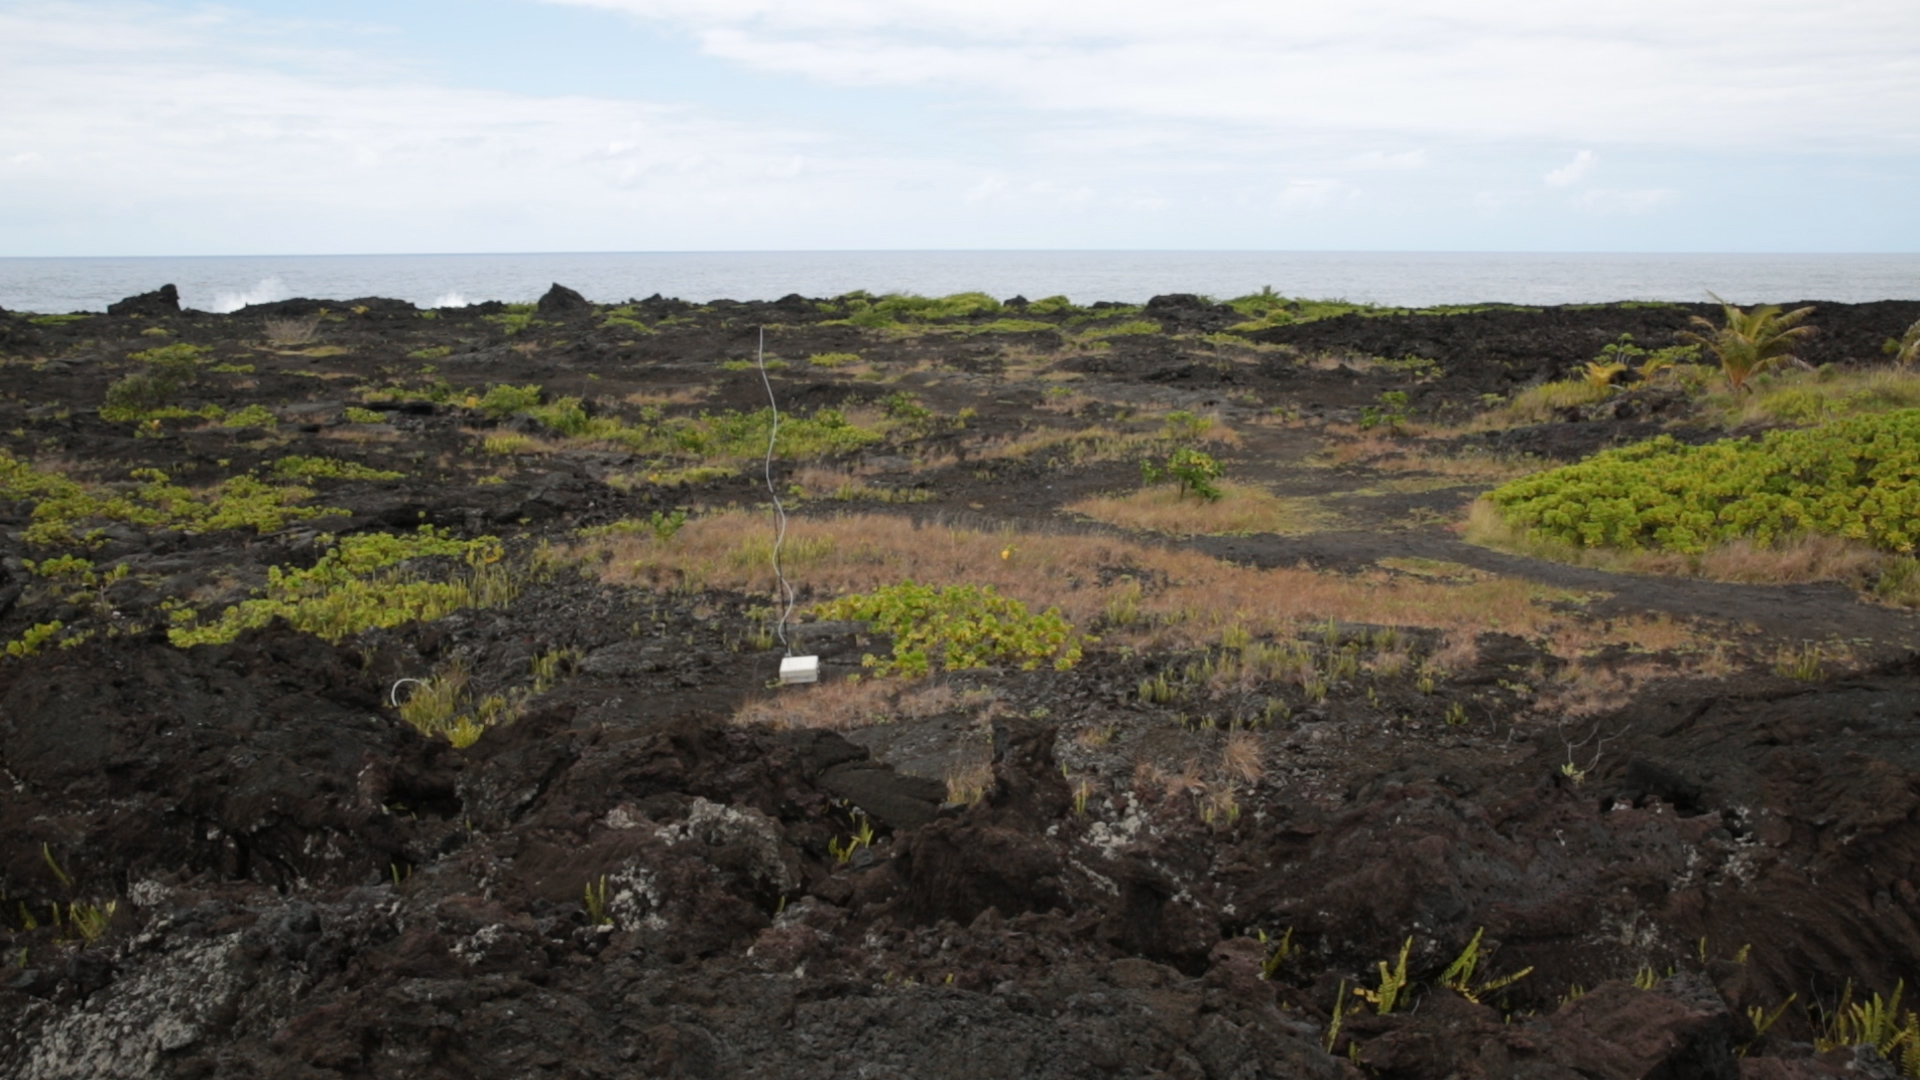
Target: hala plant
1752, 341
1906, 350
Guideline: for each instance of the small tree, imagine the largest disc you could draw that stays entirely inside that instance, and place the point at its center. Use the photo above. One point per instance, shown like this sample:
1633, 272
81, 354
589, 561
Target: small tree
1751, 341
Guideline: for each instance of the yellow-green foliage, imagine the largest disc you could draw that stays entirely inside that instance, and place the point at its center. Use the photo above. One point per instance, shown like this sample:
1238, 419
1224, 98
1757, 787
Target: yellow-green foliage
169, 369
516, 318
362, 583
354, 414
895, 309
29, 643
509, 443
1012, 326
326, 468
503, 400
1877, 1022
67, 512
724, 435
622, 318
1811, 397
833, 359
1539, 404
1857, 478
251, 416
1125, 329
431, 352
960, 626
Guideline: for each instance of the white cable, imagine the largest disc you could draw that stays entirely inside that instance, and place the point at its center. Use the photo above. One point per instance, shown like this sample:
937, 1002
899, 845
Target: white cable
393, 695
779, 512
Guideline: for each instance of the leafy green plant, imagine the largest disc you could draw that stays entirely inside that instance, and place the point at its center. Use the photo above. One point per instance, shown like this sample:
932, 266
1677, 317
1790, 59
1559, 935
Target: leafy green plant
502, 400
514, 319
30, 642
251, 416
833, 359
64, 507
1193, 470
1390, 413
169, 369
1750, 342
354, 414
1460, 974
596, 903
1906, 349
1877, 1022
862, 836
1857, 478
1392, 983
325, 468
960, 626
359, 584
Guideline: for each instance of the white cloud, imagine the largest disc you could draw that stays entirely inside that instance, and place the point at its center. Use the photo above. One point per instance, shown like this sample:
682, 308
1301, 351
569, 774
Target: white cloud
174, 120
1693, 72
1573, 171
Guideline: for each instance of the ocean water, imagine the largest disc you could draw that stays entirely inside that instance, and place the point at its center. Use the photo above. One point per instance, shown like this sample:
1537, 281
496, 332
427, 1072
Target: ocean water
1416, 279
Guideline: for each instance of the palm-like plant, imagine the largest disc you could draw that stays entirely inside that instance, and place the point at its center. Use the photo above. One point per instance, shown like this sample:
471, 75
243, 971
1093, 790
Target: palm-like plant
1751, 341
1907, 350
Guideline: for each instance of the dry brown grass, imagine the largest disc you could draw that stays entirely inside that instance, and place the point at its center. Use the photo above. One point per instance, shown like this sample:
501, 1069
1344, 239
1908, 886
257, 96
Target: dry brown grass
839, 706
1242, 757
663, 398
968, 784
1076, 447
1808, 558
1383, 454
829, 557
844, 485
1241, 510
1581, 690
932, 701
293, 331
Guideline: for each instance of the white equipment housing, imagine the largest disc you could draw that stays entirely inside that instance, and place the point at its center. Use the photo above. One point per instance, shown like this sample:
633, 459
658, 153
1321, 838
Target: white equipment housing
799, 669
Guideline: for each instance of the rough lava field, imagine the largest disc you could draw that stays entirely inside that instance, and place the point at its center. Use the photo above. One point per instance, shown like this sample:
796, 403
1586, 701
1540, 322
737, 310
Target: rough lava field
1310, 786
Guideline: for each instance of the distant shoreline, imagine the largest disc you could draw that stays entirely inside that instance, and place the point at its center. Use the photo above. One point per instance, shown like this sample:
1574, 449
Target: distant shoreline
220, 283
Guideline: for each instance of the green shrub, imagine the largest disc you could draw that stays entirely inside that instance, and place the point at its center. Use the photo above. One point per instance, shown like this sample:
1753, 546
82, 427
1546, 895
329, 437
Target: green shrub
1190, 468
1390, 413
64, 508
833, 359
898, 308
502, 400
960, 626
251, 416
566, 416
1857, 478
326, 468
360, 584
431, 352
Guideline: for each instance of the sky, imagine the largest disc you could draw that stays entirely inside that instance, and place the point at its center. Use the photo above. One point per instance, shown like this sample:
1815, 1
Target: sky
353, 126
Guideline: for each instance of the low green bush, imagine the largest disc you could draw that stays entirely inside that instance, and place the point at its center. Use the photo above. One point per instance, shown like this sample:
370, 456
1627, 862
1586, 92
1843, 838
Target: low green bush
359, 584
1857, 478
957, 627
69, 513
501, 401
326, 468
